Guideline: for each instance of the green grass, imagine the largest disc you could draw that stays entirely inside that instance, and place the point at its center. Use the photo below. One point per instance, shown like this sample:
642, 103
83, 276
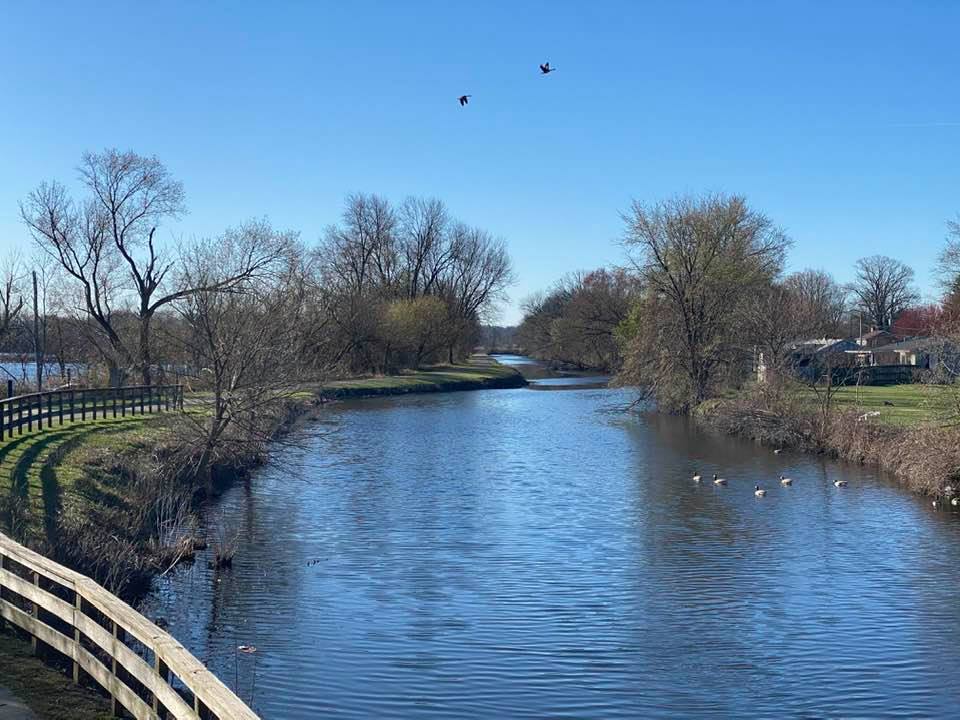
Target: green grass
41, 471
434, 377
66, 469
910, 404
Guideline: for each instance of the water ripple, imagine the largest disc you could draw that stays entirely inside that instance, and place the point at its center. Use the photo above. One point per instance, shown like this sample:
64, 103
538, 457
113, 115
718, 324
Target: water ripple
536, 555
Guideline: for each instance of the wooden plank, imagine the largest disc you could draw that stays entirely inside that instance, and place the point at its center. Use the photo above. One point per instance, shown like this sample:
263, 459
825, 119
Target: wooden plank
37, 629
135, 665
207, 689
50, 603
37, 562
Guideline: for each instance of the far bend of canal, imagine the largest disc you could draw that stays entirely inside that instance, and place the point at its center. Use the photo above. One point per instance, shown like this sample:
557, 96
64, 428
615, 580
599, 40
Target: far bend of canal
522, 554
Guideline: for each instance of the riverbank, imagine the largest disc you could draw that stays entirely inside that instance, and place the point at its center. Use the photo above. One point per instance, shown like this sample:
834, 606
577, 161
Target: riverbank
905, 437
46, 692
112, 498
482, 372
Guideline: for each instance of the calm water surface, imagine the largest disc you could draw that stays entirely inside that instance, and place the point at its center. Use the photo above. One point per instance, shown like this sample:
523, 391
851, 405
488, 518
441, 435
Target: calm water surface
512, 553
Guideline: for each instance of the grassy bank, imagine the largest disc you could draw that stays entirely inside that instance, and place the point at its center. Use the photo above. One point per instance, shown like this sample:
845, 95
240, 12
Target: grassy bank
50, 694
897, 405
481, 372
900, 429
98, 496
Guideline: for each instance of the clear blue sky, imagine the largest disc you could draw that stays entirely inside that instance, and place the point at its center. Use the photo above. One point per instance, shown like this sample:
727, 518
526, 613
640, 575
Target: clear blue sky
841, 120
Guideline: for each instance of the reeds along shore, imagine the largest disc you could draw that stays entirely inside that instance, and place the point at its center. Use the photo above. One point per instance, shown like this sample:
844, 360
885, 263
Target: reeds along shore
925, 458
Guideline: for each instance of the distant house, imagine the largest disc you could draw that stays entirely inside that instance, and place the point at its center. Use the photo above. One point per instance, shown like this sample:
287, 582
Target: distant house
809, 358
875, 338
923, 353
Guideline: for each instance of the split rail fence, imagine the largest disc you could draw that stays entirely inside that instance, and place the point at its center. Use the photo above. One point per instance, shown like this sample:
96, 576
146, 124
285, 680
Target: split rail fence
147, 673
54, 407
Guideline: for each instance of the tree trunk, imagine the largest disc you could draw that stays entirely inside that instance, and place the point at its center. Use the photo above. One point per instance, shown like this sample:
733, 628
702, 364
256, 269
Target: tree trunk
145, 360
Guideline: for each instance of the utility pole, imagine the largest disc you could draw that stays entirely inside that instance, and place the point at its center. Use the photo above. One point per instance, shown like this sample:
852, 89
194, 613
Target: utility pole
36, 334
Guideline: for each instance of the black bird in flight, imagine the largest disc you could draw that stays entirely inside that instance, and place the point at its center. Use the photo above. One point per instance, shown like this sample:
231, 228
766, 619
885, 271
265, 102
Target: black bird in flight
464, 99
546, 69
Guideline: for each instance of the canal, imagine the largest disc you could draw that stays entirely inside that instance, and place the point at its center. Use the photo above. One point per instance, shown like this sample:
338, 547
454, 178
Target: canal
513, 553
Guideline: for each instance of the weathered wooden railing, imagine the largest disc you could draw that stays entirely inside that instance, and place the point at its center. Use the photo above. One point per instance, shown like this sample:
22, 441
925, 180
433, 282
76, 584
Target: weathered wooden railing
56, 406
94, 629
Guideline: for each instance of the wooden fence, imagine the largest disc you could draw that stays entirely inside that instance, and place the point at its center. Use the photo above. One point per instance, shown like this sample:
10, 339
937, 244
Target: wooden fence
146, 671
56, 406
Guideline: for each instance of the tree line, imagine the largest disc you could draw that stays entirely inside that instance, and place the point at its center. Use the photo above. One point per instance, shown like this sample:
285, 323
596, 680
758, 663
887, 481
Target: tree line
703, 292
248, 316
388, 287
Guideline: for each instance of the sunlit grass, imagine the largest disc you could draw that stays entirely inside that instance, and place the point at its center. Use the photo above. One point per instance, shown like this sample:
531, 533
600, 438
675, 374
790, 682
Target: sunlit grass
437, 376
900, 405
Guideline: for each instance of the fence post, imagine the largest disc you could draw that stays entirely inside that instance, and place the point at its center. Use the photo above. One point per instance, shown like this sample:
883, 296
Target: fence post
60, 406
29, 415
9, 410
49, 411
73, 394
181, 397
162, 671
113, 396
83, 405
123, 402
78, 604
35, 612
141, 400
114, 681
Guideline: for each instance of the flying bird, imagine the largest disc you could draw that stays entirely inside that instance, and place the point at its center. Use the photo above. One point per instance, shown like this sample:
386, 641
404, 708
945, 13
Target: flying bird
546, 69
464, 99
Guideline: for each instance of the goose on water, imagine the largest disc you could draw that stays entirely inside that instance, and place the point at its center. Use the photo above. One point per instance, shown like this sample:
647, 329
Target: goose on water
785, 480
758, 491
696, 476
840, 483
955, 502
719, 480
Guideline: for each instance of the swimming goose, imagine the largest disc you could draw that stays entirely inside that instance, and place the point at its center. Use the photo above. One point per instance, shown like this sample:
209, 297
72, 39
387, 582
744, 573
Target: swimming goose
955, 502
696, 476
935, 503
840, 483
778, 451
718, 480
785, 480
758, 491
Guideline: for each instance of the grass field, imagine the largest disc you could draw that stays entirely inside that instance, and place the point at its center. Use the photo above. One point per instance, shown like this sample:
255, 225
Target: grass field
47, 472
901, 405
439, 377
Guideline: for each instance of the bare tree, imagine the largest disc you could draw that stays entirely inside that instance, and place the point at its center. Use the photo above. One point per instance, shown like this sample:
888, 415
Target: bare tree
699, 260
775, 320
109, 245
883, 287
821, 301
475, 281
248, 340
76, 238
423, 234
11, 293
